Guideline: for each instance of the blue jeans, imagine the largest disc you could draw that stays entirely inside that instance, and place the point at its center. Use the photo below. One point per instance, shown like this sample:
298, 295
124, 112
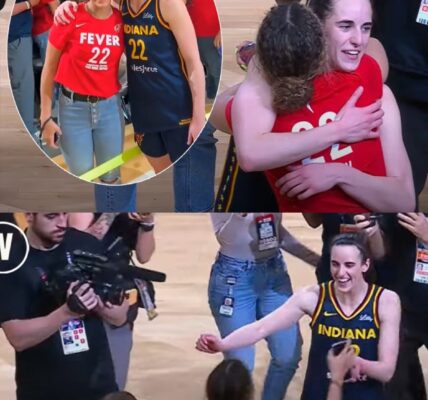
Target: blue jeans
42, 42
90, 129
194, 175
20, 62
211, 60
260, 288
116, 198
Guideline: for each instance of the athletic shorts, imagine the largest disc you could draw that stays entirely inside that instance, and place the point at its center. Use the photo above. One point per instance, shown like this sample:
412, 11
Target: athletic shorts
157, 144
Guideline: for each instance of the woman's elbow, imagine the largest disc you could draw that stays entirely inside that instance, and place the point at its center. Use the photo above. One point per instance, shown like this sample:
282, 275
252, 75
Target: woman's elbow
249, 162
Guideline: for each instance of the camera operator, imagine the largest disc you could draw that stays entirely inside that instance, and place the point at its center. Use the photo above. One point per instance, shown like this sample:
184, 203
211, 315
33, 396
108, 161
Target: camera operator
60, 342
120, 235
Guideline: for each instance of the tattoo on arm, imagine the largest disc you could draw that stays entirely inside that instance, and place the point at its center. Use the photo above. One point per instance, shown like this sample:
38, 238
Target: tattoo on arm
101, 226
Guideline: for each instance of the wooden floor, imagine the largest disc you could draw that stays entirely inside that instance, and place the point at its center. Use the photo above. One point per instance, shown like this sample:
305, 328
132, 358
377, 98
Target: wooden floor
28, 180
163, 359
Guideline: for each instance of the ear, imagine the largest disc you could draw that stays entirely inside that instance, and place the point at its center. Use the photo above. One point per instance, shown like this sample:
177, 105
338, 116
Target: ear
366, 265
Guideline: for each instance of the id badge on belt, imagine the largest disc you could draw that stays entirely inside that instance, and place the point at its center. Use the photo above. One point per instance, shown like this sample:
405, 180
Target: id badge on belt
266, 232
73, 337
421, 264
226, 309
422, 17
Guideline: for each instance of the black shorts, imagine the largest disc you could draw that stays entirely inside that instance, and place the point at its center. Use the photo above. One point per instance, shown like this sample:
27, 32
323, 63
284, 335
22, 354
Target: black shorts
157, 144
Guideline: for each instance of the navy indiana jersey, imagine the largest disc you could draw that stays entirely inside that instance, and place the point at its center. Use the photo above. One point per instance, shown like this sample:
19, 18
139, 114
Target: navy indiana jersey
159, 91
330, 325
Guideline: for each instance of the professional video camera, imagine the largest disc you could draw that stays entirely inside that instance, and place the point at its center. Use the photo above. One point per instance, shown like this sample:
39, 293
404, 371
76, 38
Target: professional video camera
109, 279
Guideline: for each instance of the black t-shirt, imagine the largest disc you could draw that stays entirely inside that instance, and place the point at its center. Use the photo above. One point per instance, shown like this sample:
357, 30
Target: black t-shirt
406, 44
43, 371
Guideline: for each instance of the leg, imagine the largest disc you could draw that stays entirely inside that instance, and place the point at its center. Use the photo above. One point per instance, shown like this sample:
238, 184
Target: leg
20, 59
194, 175
120, 343
42, 42
115, 198
153, 146
284, 346
244, 307
76, 140
108, 132
212, 62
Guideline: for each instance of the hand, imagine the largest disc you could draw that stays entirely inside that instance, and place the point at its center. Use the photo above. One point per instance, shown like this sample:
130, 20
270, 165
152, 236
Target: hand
356, 371
304, 181
217, 40
85, 294
339, 365
362, 223
358, 123
142, 217
195, 128
209, 344
101, 306
48, 133
243, 57
65, 13
416, 223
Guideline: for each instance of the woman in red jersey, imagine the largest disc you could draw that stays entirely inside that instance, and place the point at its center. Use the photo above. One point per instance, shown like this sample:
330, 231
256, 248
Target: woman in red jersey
335, 169
83, 57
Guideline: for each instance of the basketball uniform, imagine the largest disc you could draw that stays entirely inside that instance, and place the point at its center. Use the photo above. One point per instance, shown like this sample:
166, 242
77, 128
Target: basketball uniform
330, 325
159, 91
332, 91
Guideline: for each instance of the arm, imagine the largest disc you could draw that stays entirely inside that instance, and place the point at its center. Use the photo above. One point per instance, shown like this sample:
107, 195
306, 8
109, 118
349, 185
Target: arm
176, 14
293, 246
145, 245
101, 226
377, 51
18, 8
416, 223
26, 333
302, 302
375, 236
50, 67
80, 220
260, 149
53, 5
380, 193
389, 318
218, 115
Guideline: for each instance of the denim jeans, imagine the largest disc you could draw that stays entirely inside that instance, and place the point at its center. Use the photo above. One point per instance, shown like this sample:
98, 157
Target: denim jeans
90, 129
193, 181
211, 60
194, 175
110, 198
260, 288
42, 43
20, 61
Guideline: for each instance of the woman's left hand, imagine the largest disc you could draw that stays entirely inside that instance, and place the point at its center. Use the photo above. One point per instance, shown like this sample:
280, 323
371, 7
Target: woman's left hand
304, 181
416, 223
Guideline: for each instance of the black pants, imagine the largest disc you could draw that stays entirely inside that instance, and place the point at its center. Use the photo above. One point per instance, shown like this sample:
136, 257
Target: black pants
408, 380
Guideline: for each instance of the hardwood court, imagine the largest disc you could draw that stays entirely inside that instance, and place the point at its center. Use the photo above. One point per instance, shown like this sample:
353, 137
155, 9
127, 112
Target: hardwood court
29, 180
164, 363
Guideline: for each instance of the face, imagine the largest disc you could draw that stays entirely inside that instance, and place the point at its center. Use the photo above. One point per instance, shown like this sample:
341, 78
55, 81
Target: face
101, 3
347, 32
347, 267
49, 228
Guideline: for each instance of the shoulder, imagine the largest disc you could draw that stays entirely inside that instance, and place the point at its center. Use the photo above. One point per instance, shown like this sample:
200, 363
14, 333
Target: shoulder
389, 304
308, 297
77, 239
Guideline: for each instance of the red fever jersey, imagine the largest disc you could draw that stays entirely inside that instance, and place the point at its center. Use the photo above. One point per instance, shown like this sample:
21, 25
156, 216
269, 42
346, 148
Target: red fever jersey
42, 17
331, 92
204, 17
91, 50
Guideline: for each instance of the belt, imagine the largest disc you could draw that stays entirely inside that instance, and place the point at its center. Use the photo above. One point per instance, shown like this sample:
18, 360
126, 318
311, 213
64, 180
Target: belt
80, 97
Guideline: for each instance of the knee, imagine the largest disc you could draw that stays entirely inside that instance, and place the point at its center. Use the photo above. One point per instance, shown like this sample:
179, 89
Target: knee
288, 357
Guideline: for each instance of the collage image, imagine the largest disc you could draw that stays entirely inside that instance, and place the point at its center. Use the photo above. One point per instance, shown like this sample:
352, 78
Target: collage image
213, 200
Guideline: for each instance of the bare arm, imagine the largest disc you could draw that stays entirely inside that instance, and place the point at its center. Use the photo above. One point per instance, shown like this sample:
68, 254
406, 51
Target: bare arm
377, 51
260, 149
53, 5
389, 315
176, 14
293, 246
218, 116
380, 193
26, 333
145, 245
375, 236
18, 8
101, 226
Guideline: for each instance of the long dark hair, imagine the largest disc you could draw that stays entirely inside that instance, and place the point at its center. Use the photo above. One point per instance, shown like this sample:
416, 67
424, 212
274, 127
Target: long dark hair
290, 50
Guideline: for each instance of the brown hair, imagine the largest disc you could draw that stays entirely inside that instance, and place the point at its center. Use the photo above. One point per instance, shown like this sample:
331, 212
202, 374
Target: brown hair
290, 49
230, 380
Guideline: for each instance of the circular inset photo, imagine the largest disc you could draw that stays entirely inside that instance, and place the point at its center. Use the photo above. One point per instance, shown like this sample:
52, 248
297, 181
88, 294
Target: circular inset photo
115, 93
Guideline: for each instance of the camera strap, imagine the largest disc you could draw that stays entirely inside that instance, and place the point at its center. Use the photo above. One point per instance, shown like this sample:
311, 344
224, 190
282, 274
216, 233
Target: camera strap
145, 298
